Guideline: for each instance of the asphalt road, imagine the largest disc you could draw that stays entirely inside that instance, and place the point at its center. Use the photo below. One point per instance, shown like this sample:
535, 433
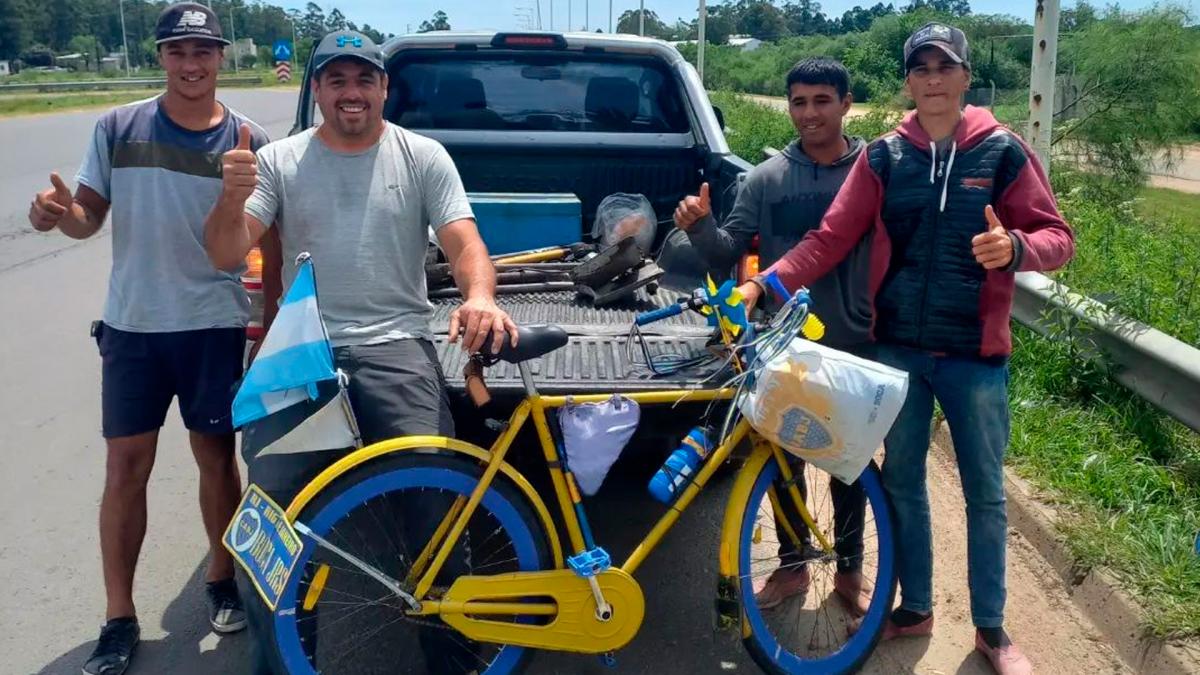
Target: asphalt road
53, 464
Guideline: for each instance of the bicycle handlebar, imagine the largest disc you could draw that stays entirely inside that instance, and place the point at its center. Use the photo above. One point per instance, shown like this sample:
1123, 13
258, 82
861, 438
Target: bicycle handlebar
697, 301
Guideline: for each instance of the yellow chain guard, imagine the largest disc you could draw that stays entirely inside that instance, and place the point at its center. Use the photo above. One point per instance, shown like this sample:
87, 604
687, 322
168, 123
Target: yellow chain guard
575, 627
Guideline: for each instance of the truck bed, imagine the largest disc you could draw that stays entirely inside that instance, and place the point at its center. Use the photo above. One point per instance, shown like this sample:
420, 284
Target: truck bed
596, 359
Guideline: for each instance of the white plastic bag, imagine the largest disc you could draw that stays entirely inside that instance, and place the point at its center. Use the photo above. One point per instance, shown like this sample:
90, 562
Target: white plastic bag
825, 406
594, 435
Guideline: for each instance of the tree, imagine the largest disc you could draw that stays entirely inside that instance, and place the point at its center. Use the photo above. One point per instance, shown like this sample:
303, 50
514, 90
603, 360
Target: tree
628, 23
14, 29
1077, 18
439, 22
804, 17
764, 21
1135, 88
376, 37
857, 19
313, 23
952, 7
335, 21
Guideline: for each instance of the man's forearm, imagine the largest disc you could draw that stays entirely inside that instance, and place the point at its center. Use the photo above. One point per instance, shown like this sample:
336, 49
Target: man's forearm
474, 273
718, 245
226, 237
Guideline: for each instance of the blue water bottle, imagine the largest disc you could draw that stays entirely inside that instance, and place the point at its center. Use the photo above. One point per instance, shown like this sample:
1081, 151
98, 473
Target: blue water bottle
681, 466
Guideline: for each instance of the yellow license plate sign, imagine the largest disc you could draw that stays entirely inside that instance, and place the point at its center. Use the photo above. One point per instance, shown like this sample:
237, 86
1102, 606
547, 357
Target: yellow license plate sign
263, 542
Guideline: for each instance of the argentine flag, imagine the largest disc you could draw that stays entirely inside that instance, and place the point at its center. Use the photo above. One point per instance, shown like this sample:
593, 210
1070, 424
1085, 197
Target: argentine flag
294, 357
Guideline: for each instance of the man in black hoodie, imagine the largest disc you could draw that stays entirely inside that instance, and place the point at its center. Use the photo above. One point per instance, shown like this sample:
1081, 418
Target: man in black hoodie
781, 200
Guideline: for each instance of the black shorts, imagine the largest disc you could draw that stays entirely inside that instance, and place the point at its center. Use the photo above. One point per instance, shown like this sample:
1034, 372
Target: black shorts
143, 372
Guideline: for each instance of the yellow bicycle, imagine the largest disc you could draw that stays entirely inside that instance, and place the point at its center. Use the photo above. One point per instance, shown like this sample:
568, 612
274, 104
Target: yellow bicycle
429, 554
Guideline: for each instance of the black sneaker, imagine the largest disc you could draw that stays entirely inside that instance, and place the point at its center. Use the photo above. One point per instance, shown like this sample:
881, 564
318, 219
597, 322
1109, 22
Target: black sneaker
225, 612
118, 638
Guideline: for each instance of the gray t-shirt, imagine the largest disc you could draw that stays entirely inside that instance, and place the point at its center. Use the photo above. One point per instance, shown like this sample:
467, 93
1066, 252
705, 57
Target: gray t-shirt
364, 217
161, 181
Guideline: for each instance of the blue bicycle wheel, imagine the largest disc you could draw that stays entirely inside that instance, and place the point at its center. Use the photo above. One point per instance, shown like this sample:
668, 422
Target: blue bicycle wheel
815, 631
334, 618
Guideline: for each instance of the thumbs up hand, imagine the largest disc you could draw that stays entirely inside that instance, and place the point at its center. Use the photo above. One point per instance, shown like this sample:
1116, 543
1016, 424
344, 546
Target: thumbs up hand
49, 206
692, 209
993, 249
239, 169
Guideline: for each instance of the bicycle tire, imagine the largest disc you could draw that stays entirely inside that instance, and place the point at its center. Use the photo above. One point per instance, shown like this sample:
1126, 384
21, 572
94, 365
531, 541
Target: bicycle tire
406, 471
762, 644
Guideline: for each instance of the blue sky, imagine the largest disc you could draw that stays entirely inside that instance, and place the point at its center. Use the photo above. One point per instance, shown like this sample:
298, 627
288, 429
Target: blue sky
391, 16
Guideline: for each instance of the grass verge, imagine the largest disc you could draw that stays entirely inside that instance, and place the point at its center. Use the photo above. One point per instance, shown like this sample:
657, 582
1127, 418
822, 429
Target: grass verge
1127, 476
33, 103
20, 104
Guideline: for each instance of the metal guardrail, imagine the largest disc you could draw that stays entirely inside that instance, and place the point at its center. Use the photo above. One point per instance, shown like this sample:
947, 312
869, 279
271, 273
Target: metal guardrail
113, 83
1161, 369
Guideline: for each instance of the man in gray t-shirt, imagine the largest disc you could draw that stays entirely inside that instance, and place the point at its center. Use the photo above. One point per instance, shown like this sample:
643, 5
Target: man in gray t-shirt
360, 194
174, 327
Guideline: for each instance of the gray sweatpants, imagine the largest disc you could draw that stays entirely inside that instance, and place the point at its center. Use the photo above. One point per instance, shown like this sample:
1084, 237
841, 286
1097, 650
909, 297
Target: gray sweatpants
396, 389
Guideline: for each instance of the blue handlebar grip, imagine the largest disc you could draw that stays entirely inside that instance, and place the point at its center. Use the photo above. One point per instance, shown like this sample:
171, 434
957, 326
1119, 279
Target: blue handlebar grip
659, 314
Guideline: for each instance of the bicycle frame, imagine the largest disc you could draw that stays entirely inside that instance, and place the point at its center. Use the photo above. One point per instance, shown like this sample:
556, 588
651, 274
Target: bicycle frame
429, 563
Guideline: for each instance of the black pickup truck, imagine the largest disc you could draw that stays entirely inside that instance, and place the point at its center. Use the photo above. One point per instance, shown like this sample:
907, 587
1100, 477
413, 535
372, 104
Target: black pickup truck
586, 114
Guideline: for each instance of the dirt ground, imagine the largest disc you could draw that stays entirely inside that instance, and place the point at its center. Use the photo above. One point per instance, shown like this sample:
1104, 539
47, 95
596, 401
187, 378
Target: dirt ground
1040, 616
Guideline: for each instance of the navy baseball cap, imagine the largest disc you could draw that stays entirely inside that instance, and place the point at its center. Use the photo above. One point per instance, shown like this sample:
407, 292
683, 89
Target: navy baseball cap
952, 41
346, 44
185, 21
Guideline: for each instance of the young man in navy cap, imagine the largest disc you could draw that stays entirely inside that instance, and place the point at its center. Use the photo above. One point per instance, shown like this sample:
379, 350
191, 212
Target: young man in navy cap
359, 194
173, 325
956, 204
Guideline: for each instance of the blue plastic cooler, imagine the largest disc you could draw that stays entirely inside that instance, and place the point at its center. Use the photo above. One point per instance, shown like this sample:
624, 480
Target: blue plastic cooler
511, 222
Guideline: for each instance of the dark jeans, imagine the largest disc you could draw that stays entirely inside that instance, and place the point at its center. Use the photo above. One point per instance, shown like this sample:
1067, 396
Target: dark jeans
396, 389
973, 393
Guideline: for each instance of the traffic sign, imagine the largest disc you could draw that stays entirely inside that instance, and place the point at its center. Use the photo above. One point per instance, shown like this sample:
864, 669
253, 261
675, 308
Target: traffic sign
282, 50
283, 71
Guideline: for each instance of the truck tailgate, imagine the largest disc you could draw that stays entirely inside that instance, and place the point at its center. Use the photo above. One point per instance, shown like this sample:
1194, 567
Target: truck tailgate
597, 358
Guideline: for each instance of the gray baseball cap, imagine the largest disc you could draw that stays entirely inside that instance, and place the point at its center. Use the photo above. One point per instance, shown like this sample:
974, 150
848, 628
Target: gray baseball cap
949, 39
346, 44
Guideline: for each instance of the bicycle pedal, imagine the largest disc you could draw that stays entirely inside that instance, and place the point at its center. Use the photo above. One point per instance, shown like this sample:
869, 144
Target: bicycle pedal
608, 659
590, 563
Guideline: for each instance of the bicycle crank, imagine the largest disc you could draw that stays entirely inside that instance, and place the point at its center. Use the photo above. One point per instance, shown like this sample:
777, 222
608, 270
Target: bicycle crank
557, 609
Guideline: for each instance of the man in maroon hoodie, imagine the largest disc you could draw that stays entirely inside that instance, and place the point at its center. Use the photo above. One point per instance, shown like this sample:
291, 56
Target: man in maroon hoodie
957, 205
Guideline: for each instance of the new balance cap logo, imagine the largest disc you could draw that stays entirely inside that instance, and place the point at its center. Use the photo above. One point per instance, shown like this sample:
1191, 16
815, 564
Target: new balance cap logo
192, 19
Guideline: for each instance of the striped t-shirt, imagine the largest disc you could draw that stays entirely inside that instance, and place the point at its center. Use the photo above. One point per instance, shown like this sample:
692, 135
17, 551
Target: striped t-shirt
161, 181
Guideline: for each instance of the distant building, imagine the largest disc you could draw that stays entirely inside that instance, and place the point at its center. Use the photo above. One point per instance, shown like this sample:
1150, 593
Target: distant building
5, 69
243, 48
113, 62
744, 42
74, 61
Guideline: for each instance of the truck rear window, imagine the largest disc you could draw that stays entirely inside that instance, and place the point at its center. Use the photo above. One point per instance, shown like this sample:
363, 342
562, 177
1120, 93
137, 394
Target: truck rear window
534, 92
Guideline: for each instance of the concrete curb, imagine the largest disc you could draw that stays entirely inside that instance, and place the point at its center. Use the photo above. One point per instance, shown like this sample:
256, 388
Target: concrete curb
1096, 593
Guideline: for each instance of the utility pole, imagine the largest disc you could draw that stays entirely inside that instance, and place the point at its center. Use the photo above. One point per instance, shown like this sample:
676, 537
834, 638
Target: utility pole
642, 17
1041, 78
610, 16
551, 14
587, 13
233, 33
124, 40
570, 26
700, 41
539, 14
